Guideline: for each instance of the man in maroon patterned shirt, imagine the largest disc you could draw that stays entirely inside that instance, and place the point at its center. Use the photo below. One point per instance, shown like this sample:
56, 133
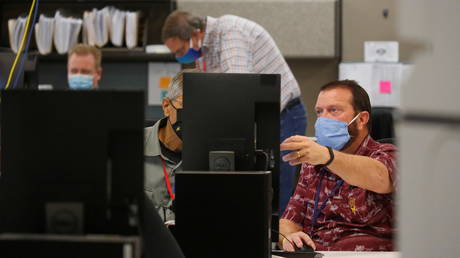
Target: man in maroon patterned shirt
344, 198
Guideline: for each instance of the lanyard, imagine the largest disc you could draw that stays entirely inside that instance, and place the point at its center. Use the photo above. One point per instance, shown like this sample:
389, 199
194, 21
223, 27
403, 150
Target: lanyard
317, 211
198, 65
168, 183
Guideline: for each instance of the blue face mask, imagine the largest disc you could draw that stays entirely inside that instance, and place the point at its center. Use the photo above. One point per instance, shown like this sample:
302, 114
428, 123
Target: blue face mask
191, 55
80, 81
332, 133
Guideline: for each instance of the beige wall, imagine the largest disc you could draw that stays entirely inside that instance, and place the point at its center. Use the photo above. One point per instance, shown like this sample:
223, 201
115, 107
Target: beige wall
361, 20
311, 74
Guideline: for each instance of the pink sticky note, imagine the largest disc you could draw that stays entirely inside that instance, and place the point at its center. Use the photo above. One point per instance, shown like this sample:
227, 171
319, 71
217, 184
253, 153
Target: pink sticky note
385, 86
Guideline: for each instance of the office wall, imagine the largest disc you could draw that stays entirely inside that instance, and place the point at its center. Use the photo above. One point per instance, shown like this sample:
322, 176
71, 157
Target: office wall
311, 74
363, 20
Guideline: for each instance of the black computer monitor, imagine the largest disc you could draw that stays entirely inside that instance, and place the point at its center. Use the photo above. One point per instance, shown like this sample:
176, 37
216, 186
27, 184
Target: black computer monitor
72, 161
231, 112
230, 122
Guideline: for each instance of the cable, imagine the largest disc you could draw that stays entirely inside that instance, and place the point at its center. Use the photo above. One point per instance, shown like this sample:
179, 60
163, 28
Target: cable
22, 45
24, 55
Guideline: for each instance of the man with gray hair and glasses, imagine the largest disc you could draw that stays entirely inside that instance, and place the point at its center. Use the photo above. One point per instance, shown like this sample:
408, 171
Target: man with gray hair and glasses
163, 150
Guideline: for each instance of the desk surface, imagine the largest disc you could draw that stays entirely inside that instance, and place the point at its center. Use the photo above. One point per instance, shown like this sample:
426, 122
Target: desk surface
357, 254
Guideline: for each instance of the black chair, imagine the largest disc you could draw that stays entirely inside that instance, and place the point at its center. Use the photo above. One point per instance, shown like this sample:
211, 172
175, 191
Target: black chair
157, 239
382, 123
387, 140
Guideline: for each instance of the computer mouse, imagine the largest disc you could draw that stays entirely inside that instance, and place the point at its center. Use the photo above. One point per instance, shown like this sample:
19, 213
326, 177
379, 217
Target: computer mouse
304, 249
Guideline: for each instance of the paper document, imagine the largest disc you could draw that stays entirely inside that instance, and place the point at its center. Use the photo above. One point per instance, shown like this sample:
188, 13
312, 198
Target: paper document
157, 49
44, 32
160, 75
382, 81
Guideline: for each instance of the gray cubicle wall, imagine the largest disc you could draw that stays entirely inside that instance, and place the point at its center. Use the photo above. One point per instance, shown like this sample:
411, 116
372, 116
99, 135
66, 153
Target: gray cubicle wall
301, 28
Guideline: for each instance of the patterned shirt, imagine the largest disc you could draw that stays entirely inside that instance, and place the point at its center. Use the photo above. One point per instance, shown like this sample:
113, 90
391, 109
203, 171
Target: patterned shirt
233, 44
354, 219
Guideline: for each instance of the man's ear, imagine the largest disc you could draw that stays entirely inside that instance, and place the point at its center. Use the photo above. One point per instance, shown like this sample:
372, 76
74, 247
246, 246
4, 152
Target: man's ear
99, 74
363, 120
165, 105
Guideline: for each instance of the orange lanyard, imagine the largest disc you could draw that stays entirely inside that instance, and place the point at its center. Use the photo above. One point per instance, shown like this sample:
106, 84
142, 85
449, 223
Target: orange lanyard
168, 183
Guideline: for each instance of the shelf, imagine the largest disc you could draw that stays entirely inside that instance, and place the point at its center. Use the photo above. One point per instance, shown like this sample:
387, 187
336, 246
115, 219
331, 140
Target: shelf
85, 1
118, 55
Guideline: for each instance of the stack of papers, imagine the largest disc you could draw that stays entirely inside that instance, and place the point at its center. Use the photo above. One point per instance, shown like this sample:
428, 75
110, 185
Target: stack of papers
66, 31
16, 32
44, 31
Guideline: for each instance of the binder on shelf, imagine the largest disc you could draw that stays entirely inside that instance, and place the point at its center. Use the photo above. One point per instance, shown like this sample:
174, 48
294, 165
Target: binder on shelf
16, 29
117, 27
89, 32
66, 31
96, 27
101, 24
132, 25
44, 32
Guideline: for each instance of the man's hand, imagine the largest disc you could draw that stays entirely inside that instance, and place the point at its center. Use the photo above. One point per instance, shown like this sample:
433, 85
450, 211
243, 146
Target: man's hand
304, 150
299, 239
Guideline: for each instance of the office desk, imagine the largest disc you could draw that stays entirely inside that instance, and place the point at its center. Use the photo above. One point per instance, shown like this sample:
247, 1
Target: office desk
357, 254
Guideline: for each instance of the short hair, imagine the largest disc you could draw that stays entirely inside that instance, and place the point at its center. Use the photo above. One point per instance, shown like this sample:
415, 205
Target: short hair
181, 24
175, 88
83, 50
360, 101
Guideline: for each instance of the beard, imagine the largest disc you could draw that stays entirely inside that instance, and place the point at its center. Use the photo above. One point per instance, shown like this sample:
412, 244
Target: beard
353, 131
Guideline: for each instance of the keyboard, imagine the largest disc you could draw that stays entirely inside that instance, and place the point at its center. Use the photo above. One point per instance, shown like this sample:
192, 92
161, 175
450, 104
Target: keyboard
298, 254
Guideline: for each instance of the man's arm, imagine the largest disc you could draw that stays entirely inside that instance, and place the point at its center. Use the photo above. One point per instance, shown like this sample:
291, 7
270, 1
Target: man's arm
356, 170
361, 171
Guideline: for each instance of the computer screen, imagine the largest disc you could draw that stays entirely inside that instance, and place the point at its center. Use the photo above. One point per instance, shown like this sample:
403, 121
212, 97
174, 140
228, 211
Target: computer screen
72, 161
232, 117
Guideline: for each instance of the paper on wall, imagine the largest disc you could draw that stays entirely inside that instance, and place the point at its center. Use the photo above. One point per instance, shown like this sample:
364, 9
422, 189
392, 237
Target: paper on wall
160, 74
382, 81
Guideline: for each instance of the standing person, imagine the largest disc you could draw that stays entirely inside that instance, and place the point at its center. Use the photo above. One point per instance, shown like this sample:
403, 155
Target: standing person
84, 68
231, 44
344, 198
